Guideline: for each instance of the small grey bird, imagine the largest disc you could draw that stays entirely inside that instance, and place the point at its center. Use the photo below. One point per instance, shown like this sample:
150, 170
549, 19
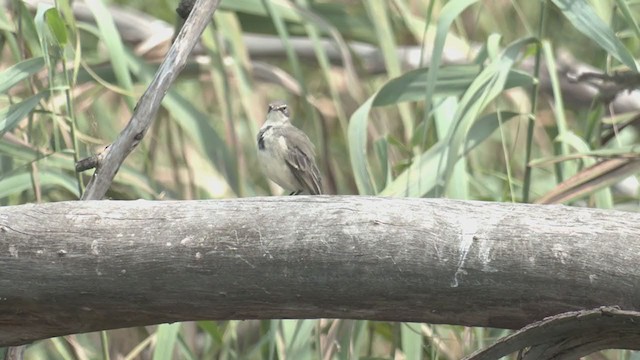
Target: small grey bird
286, 154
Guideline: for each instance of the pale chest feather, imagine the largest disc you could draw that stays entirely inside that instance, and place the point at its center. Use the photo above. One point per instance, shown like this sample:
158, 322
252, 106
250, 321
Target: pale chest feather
272, 150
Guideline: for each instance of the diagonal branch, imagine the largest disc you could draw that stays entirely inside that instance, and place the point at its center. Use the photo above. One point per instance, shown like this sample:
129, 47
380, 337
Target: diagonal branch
107, 165
570, 335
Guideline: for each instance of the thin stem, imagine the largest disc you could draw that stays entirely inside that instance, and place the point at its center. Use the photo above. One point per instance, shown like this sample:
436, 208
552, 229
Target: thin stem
104, 339
72, 121
534, 104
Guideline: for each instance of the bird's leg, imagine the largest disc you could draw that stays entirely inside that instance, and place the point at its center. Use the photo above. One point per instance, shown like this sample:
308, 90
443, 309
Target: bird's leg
297, 192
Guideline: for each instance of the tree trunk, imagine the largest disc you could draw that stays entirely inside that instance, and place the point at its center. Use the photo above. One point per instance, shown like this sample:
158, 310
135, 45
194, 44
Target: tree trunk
72, 267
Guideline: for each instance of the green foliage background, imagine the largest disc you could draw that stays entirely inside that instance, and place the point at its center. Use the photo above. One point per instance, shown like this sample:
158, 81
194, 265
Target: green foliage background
477, 130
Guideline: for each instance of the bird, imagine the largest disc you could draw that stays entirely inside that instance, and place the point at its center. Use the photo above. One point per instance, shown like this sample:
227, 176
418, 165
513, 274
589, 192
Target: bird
286, 155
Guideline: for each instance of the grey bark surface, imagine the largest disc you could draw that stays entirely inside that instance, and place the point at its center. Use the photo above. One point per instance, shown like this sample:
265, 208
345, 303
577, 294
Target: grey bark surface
570, 335
71, 267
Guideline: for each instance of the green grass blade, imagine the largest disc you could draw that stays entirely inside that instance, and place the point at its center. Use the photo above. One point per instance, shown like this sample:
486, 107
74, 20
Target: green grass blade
444, 118
56, 26
241, 66
449, 13
452, 80
185, 351
283, 33
584, 18
357, 134
28, 29
379, 14
117, 52
20, 181
485, 126
381, 147
19, 72
534, 94
421, 177
197, 126
166, 338
5, 25
298, 338
11, 115
23, 155
425, 170
258, 7
61, 347
628, 16
564, 170
104, 339
357, 131
484, 89
412, 340
507, 159
314, 28
44, 37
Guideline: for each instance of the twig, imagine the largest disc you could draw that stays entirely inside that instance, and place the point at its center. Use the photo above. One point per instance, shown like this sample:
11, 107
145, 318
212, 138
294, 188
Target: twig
92, 161
608, 85
147, 107
570, 335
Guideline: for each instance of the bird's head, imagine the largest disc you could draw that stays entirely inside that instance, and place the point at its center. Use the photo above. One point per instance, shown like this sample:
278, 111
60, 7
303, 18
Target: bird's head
278, 113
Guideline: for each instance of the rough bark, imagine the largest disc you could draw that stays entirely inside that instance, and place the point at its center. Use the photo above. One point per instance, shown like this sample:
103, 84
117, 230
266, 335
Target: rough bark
569, 336
72, 267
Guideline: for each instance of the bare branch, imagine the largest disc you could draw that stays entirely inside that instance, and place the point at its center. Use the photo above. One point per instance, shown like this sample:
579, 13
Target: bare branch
149, 103
72, 267
587, 180
92, 162
570, 335
609, 85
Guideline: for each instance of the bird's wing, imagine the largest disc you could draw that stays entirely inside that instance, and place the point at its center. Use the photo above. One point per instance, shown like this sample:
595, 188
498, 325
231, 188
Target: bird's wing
301, 161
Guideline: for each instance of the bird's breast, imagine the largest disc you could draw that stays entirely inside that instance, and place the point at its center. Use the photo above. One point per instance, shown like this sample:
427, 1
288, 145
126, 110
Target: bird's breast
272, 158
